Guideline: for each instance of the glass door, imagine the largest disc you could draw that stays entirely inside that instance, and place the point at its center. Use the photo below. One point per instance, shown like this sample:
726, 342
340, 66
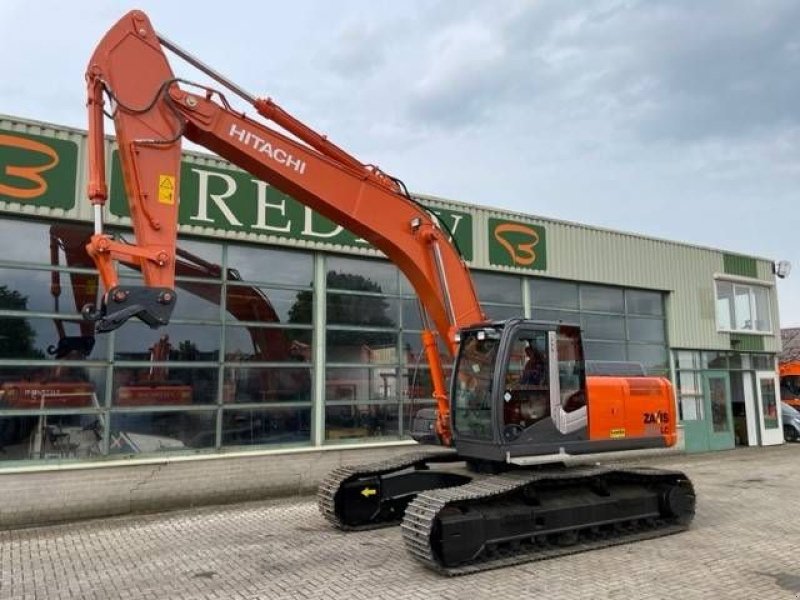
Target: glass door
768, 409
718, 409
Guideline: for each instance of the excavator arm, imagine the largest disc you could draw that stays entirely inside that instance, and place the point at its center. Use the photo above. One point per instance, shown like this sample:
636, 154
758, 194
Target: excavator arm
153, 111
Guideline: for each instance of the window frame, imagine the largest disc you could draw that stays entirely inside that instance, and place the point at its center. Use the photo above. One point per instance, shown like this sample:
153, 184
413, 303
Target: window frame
755, 317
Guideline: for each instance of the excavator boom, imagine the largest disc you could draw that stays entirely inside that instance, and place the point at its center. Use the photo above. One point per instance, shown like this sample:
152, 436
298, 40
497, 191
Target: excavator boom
152, 112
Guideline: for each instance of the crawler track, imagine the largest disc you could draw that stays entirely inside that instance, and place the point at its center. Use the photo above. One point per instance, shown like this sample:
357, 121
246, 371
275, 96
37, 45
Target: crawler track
332, 485
421, 525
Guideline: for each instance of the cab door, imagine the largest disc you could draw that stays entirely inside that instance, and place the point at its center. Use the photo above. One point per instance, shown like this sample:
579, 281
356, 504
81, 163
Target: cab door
526, 384
543, 391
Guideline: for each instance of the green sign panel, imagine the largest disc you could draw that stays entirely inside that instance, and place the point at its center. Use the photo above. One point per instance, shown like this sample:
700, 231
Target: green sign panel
236, 201
37, 170
516, 244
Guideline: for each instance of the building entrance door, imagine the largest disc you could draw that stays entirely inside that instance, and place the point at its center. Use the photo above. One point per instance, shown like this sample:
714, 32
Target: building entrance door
768, 410
717, 400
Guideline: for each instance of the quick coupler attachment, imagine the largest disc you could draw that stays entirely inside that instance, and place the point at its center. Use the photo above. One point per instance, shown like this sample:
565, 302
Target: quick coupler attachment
152, 305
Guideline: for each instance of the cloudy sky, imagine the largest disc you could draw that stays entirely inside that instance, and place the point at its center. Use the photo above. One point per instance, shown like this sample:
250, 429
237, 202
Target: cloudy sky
679, 120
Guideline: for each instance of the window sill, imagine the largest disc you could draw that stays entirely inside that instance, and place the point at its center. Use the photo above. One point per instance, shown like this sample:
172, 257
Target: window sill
746, 332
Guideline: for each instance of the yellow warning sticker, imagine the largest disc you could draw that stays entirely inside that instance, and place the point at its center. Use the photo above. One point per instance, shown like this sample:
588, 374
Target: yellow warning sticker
617, 433
166, 189
367, 492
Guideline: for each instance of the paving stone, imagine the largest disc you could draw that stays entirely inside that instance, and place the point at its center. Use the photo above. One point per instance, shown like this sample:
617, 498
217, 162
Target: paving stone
743, 545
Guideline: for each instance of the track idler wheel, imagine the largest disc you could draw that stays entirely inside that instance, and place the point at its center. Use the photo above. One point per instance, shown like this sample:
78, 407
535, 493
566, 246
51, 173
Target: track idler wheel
678, 502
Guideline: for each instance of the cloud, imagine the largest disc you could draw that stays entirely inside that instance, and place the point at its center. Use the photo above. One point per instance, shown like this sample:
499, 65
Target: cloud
357, 50
657, 70
671, 118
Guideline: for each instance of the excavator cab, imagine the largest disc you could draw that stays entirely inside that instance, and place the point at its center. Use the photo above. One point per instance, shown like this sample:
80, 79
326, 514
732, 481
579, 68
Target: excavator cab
519, 386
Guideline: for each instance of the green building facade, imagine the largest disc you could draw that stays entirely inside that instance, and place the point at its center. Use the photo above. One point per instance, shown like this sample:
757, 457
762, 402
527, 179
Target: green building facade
291, 333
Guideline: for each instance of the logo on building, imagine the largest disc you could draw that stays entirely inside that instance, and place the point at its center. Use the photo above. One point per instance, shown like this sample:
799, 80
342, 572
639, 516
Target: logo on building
37, 170
515, 244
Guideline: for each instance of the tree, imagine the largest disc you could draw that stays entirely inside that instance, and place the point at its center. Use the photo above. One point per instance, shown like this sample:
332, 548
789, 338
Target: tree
17, 337
347, 309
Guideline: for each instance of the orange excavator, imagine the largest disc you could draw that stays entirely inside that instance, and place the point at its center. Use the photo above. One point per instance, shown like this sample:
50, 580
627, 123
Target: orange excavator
502, 494
789, 367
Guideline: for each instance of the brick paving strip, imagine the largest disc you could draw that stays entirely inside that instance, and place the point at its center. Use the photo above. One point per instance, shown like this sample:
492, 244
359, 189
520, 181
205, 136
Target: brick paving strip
745, 543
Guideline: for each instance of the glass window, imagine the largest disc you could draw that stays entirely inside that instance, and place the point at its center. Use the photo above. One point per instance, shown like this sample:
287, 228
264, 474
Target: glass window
290, 425
719, 403
366, 311
740, 360
418, 384
602, 299
358, 421
652, 358
164, 386
40, 338
762, 312
27, 242
743, 307
174, 342
413, 352
691, 408
526, 386
605, 351
161, 432
492, 287
46, 291
262, 384
603, 327
763, 362
640, 302
500, 313
556, 316
473, 383
724, 305
737, 361
267, 344
411, 315
571, 369
715, 360
557, 294
769, 402
361, 402
646, 330
368, 347
689, 383
196, 300
268, 265
361, 275
198, 259
60, 437
687, 359
268, 305
47, 386
361, 384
